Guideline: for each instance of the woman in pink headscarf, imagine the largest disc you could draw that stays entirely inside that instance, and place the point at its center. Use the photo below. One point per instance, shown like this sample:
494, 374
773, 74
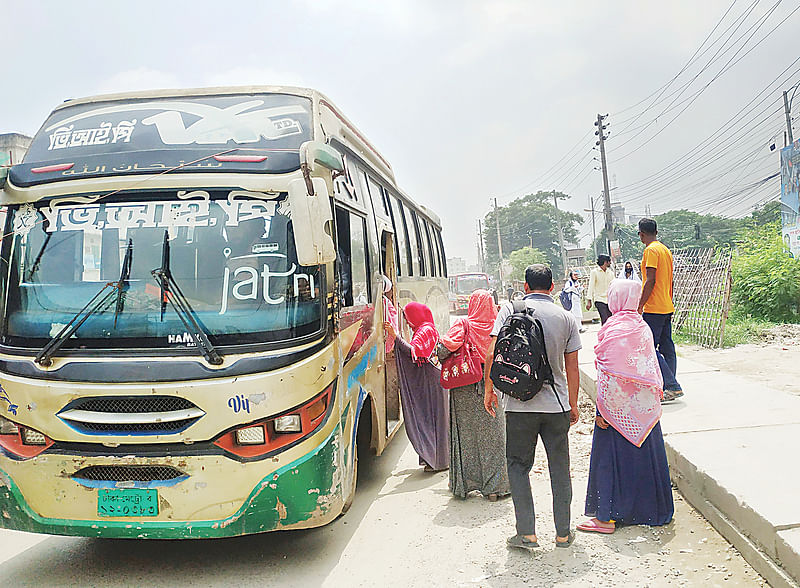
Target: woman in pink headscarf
628, 473
423, 399
477, 441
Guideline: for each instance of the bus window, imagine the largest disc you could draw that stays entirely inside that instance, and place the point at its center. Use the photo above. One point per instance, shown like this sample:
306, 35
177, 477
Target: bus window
394, 227
376, 193
351, 233
429, 248
358, 259
414, 243
438, 251
425, 254
402, 237
441, 250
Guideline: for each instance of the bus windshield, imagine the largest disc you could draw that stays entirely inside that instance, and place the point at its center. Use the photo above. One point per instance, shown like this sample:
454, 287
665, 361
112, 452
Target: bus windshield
250, 133
468, 283
231, 254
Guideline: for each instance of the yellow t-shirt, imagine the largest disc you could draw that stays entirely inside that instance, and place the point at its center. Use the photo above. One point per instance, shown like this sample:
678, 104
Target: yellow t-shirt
658, 256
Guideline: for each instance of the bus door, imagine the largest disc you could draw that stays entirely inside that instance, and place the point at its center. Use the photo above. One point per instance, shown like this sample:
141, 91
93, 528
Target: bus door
392, 383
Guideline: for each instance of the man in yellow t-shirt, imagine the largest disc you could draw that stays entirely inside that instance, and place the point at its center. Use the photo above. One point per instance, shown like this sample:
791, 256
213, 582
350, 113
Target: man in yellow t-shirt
655, 304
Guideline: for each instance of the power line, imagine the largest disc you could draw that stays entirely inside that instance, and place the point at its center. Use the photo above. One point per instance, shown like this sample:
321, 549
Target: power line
728, 65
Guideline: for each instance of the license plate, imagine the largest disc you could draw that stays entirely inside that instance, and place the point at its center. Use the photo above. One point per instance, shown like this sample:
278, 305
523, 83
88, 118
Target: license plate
127, 502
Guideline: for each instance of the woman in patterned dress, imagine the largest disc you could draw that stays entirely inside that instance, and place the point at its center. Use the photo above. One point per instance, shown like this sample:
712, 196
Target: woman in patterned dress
628, 473
477, 441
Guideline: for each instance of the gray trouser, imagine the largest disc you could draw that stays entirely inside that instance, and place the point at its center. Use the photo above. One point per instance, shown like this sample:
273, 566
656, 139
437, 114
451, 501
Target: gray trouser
522, 432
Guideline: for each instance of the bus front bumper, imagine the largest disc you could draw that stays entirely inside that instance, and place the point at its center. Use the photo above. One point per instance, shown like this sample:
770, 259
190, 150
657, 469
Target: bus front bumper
304, 493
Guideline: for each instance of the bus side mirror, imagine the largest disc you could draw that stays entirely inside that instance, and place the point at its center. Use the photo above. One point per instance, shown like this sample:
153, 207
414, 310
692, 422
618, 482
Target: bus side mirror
312, 221
316, 154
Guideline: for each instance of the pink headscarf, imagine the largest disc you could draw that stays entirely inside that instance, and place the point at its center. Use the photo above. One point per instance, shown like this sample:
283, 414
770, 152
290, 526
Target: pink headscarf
480, 316
628, 377
425, 337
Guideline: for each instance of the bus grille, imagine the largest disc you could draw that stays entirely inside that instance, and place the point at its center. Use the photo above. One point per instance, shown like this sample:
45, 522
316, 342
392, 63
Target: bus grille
130, 415
133, 428
132, 404
117, 473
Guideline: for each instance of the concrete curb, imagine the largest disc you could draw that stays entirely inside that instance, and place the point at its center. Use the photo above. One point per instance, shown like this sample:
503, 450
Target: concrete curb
715, 480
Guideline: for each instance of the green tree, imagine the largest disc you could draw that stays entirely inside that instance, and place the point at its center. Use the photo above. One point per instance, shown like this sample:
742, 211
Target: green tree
767, 213
531, 220
766, 278
522, 258
630, 245
679, 228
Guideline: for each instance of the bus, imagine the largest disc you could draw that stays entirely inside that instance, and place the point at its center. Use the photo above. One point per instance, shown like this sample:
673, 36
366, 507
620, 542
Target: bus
192, 343
462, 286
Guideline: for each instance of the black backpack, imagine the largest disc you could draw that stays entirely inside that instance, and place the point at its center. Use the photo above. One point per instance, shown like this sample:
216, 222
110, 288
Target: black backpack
520, 367
566, 300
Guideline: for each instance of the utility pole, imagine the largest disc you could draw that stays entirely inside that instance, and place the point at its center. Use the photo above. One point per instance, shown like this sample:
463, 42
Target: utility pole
560, 235
594, 233
788, 116
499, 244
480, 246
600, 132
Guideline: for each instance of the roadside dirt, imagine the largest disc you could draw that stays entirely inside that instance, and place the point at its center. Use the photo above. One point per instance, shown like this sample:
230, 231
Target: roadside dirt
404, 529
440, 540
774, 363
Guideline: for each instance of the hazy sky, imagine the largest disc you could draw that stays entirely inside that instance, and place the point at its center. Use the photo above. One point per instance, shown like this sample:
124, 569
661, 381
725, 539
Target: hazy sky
467, 100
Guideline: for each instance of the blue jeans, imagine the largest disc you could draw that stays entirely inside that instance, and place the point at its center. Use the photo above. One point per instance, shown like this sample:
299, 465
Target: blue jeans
661, 325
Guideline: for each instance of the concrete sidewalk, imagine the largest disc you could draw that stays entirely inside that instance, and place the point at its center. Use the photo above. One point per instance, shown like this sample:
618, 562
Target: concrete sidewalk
733, 449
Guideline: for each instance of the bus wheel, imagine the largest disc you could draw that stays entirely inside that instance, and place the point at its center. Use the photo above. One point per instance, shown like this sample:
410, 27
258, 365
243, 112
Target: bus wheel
363, 440
352, 494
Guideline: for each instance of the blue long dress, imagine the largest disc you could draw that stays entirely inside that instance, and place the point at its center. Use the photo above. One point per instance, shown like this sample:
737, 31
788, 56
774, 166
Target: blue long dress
627, 484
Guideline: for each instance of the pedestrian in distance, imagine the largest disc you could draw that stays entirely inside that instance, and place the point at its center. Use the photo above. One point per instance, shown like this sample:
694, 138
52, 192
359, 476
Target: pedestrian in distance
655, 304
573, 287
548, 415
628, 473
477, 441
599, 280
423, 399
628, 272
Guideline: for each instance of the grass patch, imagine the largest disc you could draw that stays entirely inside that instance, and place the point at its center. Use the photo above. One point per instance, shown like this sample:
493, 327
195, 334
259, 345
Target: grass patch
739, 330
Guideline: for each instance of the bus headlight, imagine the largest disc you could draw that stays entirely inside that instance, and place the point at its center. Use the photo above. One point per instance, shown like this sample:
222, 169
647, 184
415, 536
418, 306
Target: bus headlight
7, 427
269, 435
289, 423
20, 441
251, 435
31, 437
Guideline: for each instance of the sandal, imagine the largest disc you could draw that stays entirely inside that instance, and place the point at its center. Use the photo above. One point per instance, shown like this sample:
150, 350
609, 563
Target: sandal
521, 542
568, 542
591, 526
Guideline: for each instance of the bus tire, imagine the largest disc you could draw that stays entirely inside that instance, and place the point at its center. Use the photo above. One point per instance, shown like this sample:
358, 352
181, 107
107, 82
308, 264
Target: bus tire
352, 494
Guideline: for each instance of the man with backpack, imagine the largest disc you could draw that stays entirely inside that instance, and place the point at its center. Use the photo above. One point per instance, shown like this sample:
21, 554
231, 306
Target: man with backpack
533, 361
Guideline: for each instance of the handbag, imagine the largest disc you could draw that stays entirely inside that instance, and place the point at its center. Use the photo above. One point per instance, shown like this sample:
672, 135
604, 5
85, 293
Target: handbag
463, 367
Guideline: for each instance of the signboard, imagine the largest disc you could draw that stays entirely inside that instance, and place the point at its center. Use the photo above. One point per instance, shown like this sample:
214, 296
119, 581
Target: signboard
615, 252
790, 196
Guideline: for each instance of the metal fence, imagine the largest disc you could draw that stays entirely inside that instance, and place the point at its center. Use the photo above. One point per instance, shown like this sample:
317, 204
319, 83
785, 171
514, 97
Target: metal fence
702, 294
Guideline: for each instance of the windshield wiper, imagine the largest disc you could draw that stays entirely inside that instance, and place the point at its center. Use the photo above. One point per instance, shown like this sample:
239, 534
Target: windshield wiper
171, 292
124, 274
44, 357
